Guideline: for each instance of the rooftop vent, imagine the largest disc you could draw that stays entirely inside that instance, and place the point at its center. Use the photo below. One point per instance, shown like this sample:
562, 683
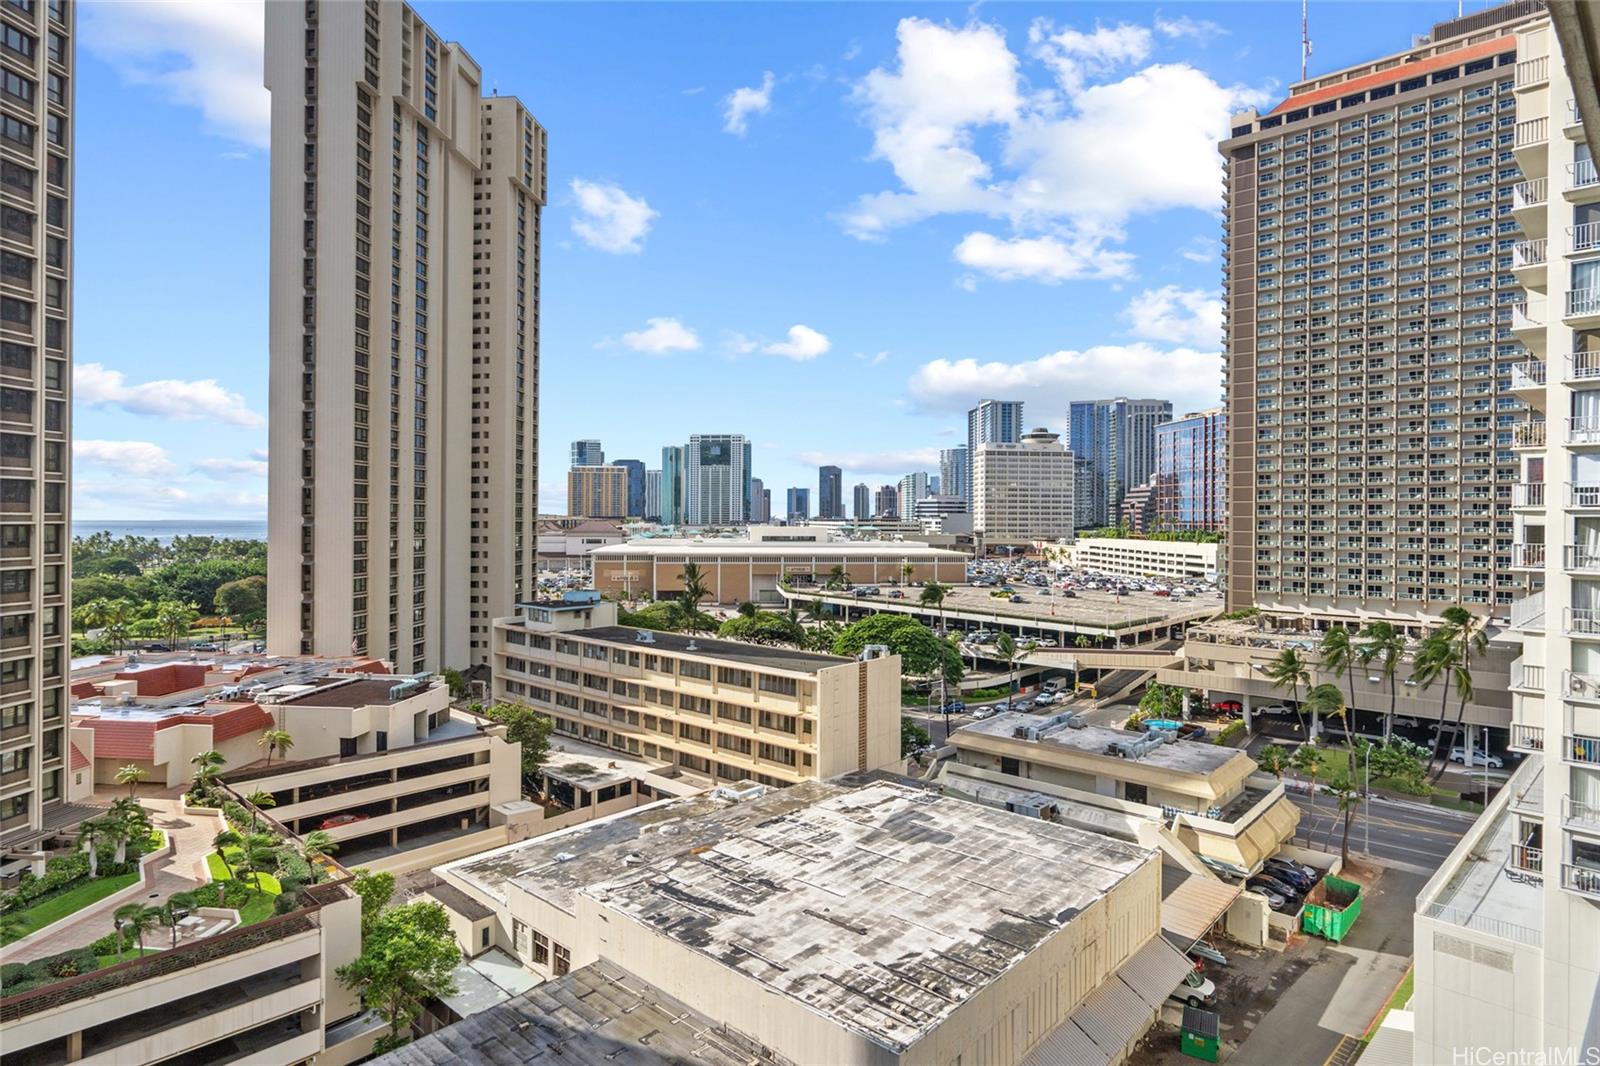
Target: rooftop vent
874, 651
565, 856
644, 636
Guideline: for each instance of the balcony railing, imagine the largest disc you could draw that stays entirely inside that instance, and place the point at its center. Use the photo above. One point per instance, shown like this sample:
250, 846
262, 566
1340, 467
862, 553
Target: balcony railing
1525, 317
1530, 253
1529, 374
1583, 174
1533, 72
1523, 857
1528, 612
1583, 429
1527, 675
1530, 193
1532, 131
1585, 816
1580, 686
1527, 556
1580, 238
1527, 435
1582, 303
1582, 748
1582, 557
1583, 621
1528, 494
1583, 495
1583, 366
1581, 879
1527, 737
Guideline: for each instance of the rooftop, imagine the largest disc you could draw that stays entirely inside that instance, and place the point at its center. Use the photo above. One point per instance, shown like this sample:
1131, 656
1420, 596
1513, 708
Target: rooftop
598, 1015
358, 691
899, 549
759, 655
1181, 756
877, 904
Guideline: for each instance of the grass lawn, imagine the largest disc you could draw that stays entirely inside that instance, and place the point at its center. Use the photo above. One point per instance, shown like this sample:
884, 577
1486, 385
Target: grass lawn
71, 901
259, 906
1402, 996
127, 956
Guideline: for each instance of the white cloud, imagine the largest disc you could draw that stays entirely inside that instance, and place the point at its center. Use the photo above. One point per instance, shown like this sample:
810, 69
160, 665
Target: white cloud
1190, 379
196, 53
1201, 250
229, 469
609, 219
804, 344
872, 358
94, 385
102, 500
738, 344
129, 458
660, 336
743, 102
1201, 30
887, 463
1179, 316
1048, 259
1066, 165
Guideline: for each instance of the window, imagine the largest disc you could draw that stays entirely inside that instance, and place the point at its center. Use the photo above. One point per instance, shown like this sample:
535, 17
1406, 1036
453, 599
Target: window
563, 961
693, 669
16, 42
729, 676
17, 132
541, 949
783, 686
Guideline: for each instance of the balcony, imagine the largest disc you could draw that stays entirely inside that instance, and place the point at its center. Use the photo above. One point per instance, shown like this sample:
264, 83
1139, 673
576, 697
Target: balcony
1583, 179
1528, 677
1580, 686
1584, 817
1583, 368
1528, 434
1528, 199
1527, 557
1581, 748
1526, 738
1525, 859
1581, 304
1528, 324
1527, 496
1584, 880
1531, 142
1582, 559
1583, 430
1583, 496
1582, 622
1531, 73
1528, 612
1528, 259
1580, 239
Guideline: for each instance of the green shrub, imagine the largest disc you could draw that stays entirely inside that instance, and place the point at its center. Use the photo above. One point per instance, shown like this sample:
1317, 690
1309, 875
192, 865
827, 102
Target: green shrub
23, 976
292, 866
61, 873
286, 902
1229, 731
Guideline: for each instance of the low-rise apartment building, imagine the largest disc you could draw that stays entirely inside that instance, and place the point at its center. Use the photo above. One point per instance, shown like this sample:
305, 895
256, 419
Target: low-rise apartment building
856, 921
1177, 560
719, 709
1211, 800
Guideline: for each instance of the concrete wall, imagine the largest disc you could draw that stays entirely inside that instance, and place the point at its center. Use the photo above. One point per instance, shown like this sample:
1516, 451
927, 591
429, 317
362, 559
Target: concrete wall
840, 713
318, 730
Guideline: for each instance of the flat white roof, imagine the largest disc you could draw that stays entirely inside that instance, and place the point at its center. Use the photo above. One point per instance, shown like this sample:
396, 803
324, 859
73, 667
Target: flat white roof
766, 549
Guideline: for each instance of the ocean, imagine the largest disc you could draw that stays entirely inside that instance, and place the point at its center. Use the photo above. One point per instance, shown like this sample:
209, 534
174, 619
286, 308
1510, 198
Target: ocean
165, 530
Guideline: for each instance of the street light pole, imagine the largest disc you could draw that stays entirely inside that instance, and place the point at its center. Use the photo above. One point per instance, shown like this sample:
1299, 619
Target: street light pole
1366, 823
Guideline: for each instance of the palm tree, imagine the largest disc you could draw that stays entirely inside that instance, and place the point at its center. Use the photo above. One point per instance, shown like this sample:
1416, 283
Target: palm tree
228, 838
135, 918
1006, 648
94, 614
933, 595
178, 906
128, 821
1273, 759
174, 618
1309, 761
277, 741
1383, 644
838, 577
1337, 655
1289, 671
1348, 796
91, 834
694, 591
1462, 629
119, 613
259, 801
131, 775
1436, 658
208, 767
257, 859
1327, 700
317, 844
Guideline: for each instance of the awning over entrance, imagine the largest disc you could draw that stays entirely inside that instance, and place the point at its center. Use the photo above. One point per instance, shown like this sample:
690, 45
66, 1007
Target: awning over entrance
1117, 1013
1191, 905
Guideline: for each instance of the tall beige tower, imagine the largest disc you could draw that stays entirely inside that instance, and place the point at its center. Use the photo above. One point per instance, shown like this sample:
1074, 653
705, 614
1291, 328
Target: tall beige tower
36, 53
404, 339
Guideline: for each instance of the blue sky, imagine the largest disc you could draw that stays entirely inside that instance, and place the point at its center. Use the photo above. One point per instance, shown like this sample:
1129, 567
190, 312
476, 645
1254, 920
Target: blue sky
830, 227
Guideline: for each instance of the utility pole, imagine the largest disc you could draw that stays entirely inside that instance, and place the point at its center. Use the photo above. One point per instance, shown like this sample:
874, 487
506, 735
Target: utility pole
1305, 39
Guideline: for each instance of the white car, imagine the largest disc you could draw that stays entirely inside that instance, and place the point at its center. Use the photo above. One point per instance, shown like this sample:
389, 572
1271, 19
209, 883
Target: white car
1196, 991
1273, 709
1479, 758
1045, 699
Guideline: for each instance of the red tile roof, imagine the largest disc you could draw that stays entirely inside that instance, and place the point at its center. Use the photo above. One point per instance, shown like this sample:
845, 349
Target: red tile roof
1403, 71
123, 740
83, 690
364, 666
234, 722
78, 760
167, 679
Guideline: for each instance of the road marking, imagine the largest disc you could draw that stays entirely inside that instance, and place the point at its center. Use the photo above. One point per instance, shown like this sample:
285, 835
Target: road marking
1345, 1052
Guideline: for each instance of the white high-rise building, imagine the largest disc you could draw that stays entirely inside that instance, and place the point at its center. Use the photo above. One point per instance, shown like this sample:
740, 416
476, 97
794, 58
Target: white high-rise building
36, 169
404, 339
716, 479
1507, 933
1023, 491
913, 487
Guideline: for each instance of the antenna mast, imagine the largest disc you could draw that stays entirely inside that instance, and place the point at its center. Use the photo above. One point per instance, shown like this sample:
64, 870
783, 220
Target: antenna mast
1305, 39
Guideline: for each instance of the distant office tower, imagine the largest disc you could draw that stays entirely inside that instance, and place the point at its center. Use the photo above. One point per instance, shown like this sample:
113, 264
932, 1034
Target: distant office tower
991, 422
588, 453
1119, 438
913, 487
862, 500
1367, 370
886, 502
597, 491
38, 57
1138, 514
652, 495
1088, 494
938, 507
402, 486
635, 470
799, 505
933, 484
953, 473
1190, 487
830, 492
760, 508
1023, 491
716, 479
672, 485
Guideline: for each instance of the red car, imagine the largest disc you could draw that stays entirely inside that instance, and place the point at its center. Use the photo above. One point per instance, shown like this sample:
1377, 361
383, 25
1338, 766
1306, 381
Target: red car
1227, 707
342, 819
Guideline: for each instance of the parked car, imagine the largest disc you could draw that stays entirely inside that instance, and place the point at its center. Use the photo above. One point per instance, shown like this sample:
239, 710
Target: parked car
1163, 592
1274, 901
1479, 758
1015, 598
981, 713
342, 819
1276, 709
204, 646
156, 647
1273, 884
1069, 594
954, 707
1196, 991
1045, 699
1300, 878
1409, 723
896, 594
1227, 707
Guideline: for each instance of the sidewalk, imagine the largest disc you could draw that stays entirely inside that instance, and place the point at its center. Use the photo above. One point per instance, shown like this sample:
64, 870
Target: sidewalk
181, 871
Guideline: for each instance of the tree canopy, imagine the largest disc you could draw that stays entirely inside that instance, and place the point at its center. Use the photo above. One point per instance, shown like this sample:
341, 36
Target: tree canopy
527, 727
407, 958
921, 653
766, 627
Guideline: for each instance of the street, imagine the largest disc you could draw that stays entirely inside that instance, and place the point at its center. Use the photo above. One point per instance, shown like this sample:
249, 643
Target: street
1405, 835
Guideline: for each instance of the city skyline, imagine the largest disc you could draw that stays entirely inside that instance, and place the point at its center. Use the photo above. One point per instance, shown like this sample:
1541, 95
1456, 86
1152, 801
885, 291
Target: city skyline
171, 421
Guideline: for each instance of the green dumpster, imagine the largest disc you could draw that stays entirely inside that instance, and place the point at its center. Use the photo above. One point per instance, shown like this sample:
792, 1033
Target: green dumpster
1332, 908
1201, 1033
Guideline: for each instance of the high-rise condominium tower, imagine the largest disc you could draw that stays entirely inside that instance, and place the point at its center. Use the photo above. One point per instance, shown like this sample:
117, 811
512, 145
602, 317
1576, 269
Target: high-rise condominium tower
798, 505
404, 339
861, 500
672, 484
913, 487
36, 164
953, 469
991, 422
588, 453
1023, 492
716, 479
1368, 287
1189, 485
1119, 438
830, 492
1506, 930
635, 469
